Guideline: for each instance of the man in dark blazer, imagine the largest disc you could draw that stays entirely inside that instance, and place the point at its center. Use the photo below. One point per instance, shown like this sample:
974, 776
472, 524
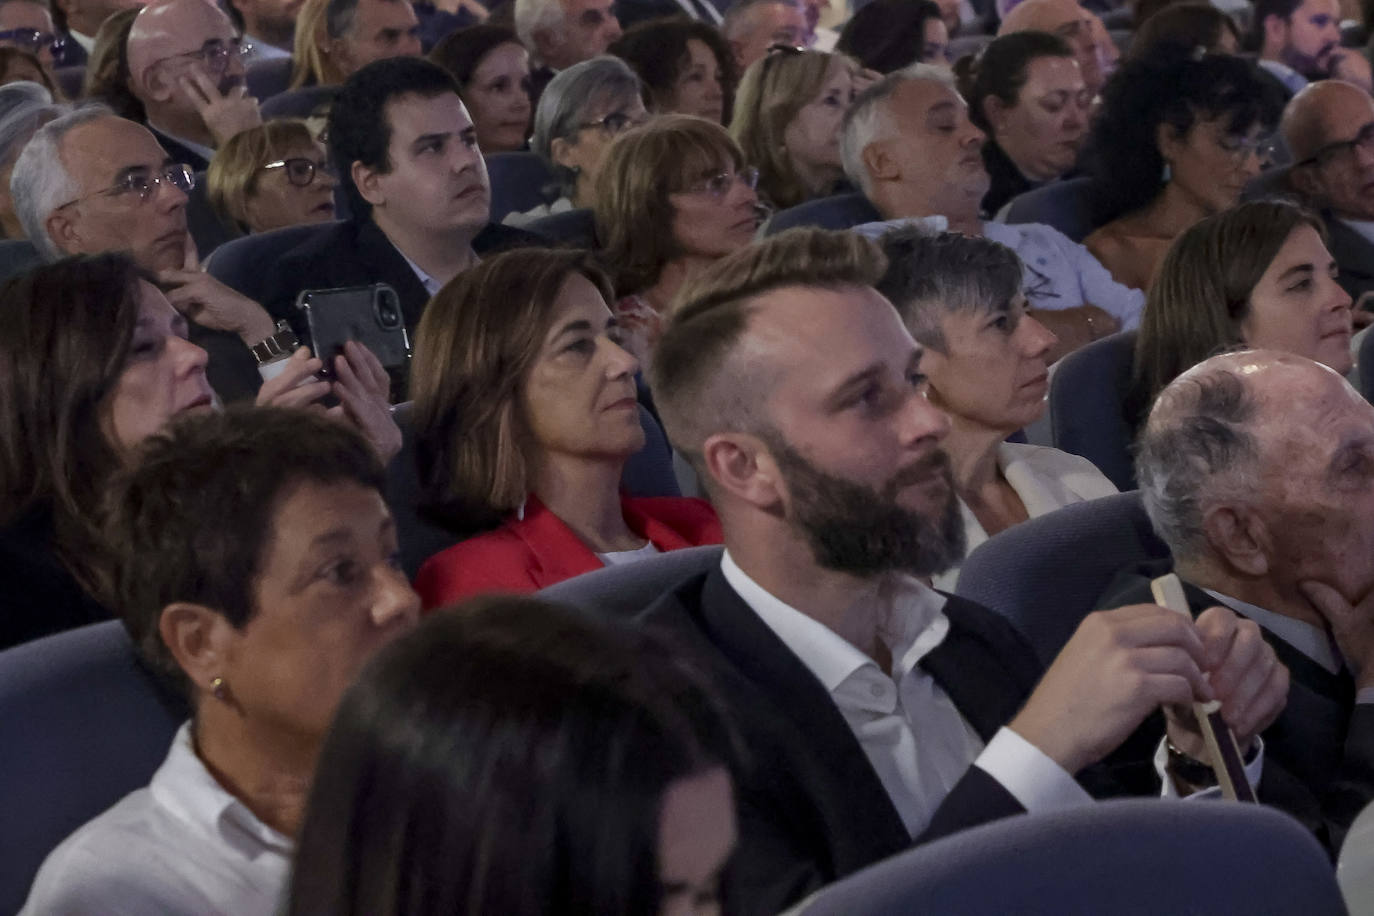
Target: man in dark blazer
1274, 519
1329, 128
407, 155
874, 710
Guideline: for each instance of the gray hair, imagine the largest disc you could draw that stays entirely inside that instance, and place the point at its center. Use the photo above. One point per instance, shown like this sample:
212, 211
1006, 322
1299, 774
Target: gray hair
930, 276
563, 106
869, 119
19, 118
1197, 449
41, 183
732, 25
534, 15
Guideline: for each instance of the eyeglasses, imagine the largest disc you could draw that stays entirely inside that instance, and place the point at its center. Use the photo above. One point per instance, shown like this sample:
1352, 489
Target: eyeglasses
143, 182
300, 172
216, 53
718, 186
615, 123
1342, 149
1241, 148
33, 41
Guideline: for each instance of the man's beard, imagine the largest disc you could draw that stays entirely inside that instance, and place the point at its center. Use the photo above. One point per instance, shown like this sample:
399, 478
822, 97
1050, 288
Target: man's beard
865, 531
1311, 67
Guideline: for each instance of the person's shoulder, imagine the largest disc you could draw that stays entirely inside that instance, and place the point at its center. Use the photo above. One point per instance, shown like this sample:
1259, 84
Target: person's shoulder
1074, 471
495, 560
496, 238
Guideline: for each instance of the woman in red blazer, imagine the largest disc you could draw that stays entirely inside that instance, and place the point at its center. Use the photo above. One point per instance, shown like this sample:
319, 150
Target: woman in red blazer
525, 413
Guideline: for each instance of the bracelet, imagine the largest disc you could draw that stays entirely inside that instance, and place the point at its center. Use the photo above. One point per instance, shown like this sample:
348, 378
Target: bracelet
281, 343
1188, 769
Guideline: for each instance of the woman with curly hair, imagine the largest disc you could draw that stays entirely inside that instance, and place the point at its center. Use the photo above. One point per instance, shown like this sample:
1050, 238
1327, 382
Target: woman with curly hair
686, 67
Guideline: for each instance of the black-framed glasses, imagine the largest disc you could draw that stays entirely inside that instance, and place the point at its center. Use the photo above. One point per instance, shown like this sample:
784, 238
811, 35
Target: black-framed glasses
215, 53
34, 41
719, 185
141, 183
300, 172
615, 123
1364, 140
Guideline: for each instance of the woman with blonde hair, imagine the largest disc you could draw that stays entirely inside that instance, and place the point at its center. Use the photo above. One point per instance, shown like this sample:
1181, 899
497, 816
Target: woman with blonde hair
525, 414
310, 65
271, 176
787, 121
672, 197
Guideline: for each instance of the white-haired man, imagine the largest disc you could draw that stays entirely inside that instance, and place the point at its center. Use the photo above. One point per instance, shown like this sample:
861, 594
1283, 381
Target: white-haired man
560, 33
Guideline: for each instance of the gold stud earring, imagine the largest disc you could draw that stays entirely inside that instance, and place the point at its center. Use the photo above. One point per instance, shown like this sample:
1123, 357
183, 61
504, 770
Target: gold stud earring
217, 688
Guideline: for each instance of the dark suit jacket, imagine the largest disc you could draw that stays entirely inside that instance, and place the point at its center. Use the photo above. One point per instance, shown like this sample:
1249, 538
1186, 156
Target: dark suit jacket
1354, 255
40, 597
180, 152
1319, 754
811, 807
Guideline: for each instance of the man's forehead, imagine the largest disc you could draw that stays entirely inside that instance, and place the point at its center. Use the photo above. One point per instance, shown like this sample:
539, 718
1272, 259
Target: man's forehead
411, 115
819, 333
99, 150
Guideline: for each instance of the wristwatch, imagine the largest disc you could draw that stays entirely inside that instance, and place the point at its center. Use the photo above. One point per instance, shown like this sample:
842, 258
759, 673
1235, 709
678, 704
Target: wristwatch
278, 345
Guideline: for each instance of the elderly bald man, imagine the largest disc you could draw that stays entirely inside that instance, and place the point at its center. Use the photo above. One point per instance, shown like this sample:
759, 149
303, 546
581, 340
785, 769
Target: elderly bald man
186, 67
1084, 32
1329, 127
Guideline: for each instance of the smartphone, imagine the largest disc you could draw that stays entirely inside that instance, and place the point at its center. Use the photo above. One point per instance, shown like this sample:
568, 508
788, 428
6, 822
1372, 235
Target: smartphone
371, 315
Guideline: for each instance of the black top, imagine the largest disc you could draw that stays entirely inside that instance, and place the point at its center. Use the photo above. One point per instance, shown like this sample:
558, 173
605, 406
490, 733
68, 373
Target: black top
39, 596
1007, 179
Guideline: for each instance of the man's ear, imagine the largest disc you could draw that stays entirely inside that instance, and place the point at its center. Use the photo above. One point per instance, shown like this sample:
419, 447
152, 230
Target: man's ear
1275, 32
62, 229
199, 639
880, 163
741, 465
1239, 538
152, 84
368, 182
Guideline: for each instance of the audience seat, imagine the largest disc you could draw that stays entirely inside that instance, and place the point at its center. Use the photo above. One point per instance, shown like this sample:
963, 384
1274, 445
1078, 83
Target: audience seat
648, 473
1364, 365
17, 256
1047, 574
1065, 205
269, 77
622, 591
1087, 413
573, 229
1128, 858
207, 230
70, 79
298, 103
517, 183
81, 725
839, 211
244, 264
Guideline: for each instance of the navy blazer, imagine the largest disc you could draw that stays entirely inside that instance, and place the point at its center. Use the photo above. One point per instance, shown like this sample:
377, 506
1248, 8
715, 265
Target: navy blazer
1319, 753
811, 807
1354, 255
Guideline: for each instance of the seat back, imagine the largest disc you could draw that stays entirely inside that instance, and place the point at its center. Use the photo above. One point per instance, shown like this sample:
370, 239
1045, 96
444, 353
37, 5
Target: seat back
1065, 205
298, 103
1087, 406
82, 724
649, 472
207, 230
839, 211
267, 78
1047, 574
517, 183
245, 264
571, 229
17, 256
1128, 858
622, 591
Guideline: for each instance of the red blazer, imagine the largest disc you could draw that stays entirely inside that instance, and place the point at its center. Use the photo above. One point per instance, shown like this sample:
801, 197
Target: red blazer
525, 555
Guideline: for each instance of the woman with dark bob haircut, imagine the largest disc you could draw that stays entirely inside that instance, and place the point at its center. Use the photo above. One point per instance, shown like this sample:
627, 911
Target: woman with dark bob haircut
513, 757
492, 70
686, 67
1178, 137
1229, 282
887, 35
525, 414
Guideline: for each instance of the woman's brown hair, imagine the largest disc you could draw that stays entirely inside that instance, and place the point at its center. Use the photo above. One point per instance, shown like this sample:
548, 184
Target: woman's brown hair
478, 340
642, 170
107, 69
1201, 294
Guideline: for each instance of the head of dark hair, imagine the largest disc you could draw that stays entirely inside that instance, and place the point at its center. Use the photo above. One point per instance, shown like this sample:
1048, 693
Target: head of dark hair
1001, 69
658, 52
1261, 10
359, 129
68, 328
887, 35
462, 51
1186, 26
1177, 89
504, 755
192, 518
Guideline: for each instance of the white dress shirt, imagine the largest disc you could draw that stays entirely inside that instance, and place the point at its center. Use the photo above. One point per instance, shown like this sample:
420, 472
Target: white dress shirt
918, 742
183, 846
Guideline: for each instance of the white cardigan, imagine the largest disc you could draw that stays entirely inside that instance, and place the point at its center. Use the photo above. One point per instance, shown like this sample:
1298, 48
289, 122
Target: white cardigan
1045, 478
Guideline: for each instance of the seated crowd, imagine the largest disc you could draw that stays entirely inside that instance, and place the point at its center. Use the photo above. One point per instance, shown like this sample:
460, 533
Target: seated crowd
364, 360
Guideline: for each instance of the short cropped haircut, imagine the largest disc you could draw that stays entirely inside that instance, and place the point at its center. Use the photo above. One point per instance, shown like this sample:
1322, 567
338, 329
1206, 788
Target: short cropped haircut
532, 16
359, 130
699, 386
1197, 448
477, 341
234, 172
1262, 10
192, 519
931, 276
641, 171
869, 120
40, 182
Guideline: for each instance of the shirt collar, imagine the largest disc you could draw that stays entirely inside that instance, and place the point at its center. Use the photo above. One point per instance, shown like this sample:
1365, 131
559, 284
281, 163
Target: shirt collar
914, 618
1301, 635
430, 284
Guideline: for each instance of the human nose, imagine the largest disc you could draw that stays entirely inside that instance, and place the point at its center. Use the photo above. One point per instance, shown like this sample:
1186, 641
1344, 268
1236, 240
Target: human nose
167, 195
612, 27
1036, 339
922, 423
395, 602
191, 359
1340, 299
619, 361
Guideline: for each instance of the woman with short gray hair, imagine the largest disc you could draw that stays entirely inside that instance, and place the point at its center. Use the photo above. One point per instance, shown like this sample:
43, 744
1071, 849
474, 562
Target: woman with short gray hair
24, 107
582, 110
